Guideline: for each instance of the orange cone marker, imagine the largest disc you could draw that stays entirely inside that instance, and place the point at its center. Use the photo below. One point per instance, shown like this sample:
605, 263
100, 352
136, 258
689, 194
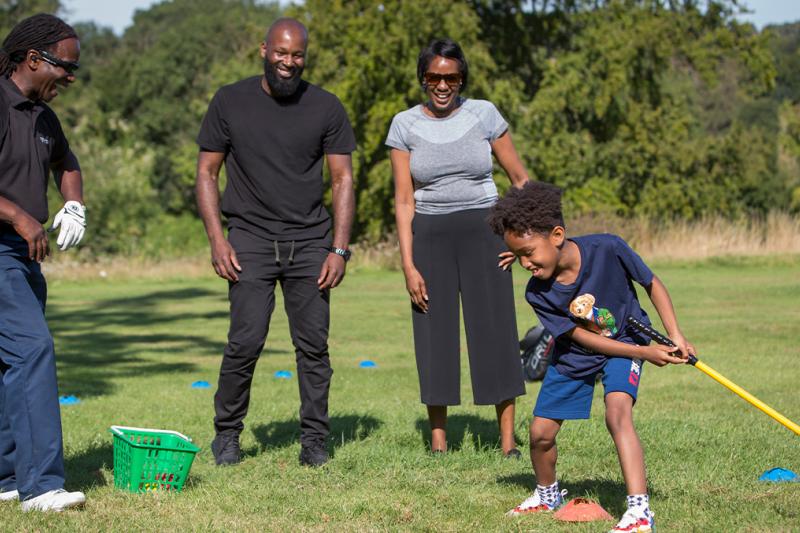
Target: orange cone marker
582, 510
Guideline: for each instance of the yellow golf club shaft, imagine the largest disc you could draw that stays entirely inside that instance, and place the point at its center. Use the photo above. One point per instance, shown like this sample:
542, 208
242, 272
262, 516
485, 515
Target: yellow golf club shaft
749, 398
716, 376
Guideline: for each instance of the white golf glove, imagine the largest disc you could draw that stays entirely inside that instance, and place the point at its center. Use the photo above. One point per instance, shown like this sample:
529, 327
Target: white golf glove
72, 219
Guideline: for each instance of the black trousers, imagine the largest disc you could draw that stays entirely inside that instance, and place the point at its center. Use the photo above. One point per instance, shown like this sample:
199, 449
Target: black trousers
296, 266
457, 256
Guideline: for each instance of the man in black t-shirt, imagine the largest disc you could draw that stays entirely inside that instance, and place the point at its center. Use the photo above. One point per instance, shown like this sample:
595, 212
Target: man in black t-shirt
272, 132
38, 58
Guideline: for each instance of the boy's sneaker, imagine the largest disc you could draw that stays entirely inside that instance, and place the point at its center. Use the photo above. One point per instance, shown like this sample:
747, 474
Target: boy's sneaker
225, 448
633, 522
313, 454
534, 504
55, 500
9, 496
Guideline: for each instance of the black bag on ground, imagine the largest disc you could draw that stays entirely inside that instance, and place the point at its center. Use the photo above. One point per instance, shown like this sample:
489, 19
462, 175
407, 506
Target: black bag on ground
536, 347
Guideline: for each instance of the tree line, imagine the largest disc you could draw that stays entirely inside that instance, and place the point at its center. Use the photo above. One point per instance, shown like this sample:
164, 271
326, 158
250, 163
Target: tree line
663, 109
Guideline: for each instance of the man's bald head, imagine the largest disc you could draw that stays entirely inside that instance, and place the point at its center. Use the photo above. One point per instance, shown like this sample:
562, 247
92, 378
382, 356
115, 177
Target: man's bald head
284, 53
293, 26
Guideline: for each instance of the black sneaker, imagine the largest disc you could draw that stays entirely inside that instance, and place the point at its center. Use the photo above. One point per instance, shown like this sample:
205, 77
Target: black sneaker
225, 448
313, 454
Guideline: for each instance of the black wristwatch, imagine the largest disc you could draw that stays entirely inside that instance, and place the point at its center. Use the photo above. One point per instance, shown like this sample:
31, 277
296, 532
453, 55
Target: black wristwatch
342, 252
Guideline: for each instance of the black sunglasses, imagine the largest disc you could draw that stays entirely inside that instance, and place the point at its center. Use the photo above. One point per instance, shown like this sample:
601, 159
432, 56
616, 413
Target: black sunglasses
69, 66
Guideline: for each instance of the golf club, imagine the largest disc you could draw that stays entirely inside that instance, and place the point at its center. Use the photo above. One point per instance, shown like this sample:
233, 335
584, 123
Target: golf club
730, 385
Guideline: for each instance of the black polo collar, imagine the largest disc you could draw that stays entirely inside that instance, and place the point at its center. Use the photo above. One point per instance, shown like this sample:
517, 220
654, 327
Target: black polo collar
13, 94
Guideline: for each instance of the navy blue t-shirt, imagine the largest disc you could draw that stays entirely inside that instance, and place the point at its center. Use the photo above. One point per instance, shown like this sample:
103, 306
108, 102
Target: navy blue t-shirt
601, 299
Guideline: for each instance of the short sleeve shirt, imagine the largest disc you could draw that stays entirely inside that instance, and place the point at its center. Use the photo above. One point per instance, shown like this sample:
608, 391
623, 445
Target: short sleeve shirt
451, 157
273, 156
31, 140
601, 299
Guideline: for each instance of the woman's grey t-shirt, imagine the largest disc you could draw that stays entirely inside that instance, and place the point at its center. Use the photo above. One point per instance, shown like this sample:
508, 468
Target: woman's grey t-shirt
451, 157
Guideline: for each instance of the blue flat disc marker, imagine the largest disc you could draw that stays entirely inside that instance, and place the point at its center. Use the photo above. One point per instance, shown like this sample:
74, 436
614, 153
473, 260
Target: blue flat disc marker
777, 475
283, 374
68, 400
367, 364
201, 385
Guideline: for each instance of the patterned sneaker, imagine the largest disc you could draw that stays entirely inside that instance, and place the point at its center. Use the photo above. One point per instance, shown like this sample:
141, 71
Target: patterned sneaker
635, 523
9, 496
534, 504
55, 500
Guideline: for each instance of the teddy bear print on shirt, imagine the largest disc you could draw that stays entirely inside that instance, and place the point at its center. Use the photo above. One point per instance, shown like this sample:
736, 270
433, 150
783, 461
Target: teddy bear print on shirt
595, 319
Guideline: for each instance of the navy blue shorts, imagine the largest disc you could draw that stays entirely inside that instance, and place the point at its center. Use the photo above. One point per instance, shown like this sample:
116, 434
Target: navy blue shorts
565, 398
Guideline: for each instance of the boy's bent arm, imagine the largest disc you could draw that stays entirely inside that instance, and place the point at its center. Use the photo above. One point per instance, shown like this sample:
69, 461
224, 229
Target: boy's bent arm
659, 295
657, 354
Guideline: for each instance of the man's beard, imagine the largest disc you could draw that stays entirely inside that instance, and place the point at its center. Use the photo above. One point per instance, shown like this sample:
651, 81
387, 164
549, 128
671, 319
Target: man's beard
281, 87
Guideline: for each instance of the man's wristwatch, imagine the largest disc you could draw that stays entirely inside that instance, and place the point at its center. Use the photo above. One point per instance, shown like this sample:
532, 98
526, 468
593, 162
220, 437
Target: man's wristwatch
342, 252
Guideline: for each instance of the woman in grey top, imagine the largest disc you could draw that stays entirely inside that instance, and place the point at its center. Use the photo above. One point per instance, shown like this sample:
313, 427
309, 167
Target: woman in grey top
442, 164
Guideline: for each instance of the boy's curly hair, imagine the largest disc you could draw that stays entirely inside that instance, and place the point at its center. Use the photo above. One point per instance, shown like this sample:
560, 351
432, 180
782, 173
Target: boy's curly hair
535, 208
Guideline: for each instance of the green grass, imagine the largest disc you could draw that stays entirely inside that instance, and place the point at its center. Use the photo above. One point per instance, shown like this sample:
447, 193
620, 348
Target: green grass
131, 349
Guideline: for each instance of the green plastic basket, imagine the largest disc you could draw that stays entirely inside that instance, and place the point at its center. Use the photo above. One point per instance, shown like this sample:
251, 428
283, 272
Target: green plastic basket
148, 460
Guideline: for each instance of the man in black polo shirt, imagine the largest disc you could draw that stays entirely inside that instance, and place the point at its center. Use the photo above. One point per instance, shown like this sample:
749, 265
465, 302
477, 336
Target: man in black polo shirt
38, 58
272, 132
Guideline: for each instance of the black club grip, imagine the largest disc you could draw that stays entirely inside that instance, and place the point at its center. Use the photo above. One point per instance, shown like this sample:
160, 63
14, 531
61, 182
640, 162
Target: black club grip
656, 336
650, 332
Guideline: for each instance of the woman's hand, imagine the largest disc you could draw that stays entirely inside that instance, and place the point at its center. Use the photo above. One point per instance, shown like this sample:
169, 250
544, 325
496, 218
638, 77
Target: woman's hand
416, 288
506, 260
661, 355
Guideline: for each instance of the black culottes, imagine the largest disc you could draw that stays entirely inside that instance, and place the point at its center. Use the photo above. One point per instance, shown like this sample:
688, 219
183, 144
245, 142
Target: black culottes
457, 254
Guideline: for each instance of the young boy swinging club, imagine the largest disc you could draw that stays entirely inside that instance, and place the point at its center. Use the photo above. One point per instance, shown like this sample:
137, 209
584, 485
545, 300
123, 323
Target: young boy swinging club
582, 291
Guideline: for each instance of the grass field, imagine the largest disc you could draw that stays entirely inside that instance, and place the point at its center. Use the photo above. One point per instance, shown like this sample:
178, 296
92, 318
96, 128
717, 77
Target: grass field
130, 350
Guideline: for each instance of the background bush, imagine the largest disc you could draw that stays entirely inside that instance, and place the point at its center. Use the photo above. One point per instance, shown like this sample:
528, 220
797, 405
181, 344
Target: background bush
654, 109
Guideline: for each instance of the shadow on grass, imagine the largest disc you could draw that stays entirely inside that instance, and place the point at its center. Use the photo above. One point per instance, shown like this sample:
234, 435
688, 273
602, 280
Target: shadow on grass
609, 493
101, 340
344, 430
85, 470
465, 431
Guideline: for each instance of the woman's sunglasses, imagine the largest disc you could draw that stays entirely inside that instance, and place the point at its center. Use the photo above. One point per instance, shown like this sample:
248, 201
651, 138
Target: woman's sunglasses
432, 79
